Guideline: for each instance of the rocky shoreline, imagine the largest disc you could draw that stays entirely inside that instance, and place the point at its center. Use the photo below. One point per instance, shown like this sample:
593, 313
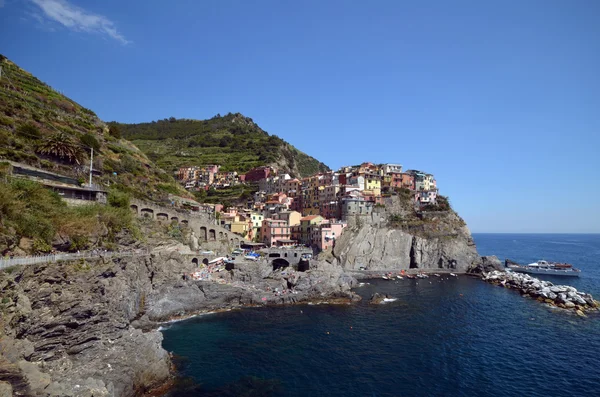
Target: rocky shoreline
90, 328
562, 296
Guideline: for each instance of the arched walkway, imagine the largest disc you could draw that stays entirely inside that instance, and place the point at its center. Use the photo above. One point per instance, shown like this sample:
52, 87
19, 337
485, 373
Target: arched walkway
147, 213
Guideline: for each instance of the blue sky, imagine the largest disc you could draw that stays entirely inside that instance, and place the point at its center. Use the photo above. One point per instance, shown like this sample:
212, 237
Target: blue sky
499, 99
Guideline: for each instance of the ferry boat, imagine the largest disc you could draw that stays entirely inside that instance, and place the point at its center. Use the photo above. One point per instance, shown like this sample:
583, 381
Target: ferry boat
544, 267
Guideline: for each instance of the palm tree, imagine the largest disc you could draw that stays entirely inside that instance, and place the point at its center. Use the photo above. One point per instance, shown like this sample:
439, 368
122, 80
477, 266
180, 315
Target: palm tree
62, 146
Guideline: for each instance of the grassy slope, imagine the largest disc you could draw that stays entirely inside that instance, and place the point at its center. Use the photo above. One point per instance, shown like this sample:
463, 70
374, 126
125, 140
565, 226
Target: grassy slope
233, 141
32, 113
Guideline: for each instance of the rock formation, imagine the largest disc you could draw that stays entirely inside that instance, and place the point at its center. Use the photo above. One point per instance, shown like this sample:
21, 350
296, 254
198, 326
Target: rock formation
563, 296
438, 240
89, 328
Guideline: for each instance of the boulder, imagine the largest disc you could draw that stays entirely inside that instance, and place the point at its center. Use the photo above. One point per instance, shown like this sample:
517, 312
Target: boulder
376, 298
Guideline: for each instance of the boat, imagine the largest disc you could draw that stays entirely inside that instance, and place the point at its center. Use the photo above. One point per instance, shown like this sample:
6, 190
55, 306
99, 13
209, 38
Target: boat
453, 275
400, 277
544, 267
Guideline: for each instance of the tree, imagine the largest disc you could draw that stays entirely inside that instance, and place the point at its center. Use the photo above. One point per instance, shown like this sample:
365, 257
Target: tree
114, 131
90, 141
63, 147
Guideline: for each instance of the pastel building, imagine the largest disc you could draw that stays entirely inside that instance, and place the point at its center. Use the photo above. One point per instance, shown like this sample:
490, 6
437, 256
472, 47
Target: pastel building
307, 224
323, 236
291, 217
273, 230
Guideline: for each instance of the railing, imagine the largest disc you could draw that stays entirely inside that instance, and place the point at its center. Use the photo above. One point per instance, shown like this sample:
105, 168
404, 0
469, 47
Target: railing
34, 260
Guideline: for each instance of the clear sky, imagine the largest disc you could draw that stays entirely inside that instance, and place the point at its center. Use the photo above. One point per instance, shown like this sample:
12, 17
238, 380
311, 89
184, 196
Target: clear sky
499, 99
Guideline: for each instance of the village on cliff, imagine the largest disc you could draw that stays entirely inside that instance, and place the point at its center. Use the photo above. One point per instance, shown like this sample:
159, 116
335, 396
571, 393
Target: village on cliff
311, 211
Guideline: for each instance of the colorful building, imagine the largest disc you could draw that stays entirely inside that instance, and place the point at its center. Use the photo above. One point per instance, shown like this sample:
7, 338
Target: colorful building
273, 230
323, 236
307, 224
256, 174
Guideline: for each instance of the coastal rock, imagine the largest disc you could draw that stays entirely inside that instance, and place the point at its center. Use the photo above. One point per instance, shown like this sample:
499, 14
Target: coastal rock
488, 264
6, 389
560, 295
83, 330
376, 298
374, 243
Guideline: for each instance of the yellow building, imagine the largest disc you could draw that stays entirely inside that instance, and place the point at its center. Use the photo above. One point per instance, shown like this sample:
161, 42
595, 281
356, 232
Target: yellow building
240, 227
372, 183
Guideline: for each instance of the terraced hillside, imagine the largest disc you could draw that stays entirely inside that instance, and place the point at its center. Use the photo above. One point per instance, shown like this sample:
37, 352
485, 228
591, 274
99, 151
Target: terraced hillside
233, 141
43, 128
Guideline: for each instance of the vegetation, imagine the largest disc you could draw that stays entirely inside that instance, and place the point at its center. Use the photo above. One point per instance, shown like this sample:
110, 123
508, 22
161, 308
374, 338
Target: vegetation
43, 128
233, 141
29, 210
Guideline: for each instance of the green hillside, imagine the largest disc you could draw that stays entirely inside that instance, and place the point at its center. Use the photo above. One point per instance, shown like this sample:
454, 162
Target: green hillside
42, 128
233, 141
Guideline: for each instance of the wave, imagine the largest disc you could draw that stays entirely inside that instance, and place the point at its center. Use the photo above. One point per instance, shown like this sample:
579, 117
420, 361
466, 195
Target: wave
385, 300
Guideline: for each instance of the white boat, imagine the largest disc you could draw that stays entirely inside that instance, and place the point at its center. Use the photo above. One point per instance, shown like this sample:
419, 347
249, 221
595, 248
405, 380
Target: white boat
453, 275
400, 277
545, 267
221, 258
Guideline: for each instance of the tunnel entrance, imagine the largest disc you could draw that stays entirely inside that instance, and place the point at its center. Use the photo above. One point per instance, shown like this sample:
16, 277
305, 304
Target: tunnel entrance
280, 263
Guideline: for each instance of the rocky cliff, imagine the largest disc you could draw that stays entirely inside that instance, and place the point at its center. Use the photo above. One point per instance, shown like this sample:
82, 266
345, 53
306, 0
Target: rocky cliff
396, 237
89, 328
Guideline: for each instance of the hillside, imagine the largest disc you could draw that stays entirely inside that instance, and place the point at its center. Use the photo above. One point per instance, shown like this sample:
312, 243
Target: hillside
43, 128
233, 141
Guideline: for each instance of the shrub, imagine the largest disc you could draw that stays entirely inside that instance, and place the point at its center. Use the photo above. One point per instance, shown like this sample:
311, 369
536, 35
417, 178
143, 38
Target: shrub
29, 131
90, 141
7, 121
118, 199
114, 131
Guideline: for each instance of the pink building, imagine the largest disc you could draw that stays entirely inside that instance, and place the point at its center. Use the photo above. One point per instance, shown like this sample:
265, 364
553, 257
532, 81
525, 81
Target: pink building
408, 181
326, 233
273, 230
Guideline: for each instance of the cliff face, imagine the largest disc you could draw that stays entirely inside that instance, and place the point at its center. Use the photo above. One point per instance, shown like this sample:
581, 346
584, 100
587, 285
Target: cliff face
393, 237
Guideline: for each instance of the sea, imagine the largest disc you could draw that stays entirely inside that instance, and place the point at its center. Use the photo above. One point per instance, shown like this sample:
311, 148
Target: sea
435, 337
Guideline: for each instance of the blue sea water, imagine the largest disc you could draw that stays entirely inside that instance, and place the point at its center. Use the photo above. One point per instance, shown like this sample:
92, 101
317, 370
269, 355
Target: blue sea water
450, 336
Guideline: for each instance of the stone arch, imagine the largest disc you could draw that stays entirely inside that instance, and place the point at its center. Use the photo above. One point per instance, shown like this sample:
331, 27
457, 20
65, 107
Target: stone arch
195, 262
134, 208
274, 255
205, 261
220, 235
203, 234
147, 213
174, 218
184, 222
236, 241
212, 235
161, 216
280, 263
285, 254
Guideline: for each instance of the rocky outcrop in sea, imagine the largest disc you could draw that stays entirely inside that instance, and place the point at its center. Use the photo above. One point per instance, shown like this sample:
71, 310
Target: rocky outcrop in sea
562, 296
